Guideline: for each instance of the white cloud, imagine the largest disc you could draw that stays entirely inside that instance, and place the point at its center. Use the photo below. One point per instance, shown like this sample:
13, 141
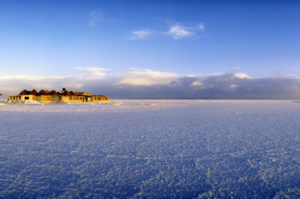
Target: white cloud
95, 17
140, 34
146, 77
178, 32
94, 71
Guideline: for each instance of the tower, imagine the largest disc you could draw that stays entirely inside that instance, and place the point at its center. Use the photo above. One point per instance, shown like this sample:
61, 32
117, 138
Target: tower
63, 90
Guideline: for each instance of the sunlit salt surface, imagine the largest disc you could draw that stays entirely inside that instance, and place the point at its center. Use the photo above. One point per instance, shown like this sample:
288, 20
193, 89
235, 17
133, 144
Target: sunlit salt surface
151, 149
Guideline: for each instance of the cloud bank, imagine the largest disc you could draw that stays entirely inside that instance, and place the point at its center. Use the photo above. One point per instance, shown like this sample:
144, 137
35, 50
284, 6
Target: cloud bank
146, 83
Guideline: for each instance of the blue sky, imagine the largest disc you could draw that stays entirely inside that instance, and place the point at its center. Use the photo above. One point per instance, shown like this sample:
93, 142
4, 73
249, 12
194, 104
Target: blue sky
181, 38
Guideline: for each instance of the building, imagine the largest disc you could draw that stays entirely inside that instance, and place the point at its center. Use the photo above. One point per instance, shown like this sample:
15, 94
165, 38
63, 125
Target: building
49, 97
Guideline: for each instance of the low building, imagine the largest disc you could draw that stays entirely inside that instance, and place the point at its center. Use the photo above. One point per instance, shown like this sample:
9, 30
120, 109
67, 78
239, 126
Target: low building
49, 97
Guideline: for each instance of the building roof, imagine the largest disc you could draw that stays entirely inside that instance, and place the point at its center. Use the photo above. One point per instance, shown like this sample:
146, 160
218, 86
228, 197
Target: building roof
53, 92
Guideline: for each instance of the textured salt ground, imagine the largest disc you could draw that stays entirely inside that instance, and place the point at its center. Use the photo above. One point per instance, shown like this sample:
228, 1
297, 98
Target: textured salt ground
151, 149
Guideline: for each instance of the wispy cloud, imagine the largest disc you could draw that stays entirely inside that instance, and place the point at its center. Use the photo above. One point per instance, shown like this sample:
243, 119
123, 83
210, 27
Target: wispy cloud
94, 71
179, 31
176, 31
95, 17
140, 34
201, 27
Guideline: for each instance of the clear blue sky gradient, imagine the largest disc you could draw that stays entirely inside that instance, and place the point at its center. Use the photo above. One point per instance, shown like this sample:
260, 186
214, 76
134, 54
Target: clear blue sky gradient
54, 37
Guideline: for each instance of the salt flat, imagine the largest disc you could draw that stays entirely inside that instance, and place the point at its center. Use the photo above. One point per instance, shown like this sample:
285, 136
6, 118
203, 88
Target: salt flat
151, 149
